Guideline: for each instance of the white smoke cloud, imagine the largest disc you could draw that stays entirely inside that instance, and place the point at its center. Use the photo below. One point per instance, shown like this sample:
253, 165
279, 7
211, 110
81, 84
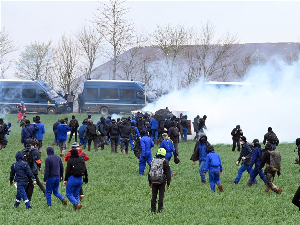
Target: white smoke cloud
272, 101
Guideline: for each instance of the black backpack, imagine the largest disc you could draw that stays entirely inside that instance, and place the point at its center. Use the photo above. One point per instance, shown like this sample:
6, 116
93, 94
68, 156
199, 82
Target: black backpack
28, 157
73, 123
175, 132
272, 138
156, 173
2, 130
114, 129
78, 167
132, 131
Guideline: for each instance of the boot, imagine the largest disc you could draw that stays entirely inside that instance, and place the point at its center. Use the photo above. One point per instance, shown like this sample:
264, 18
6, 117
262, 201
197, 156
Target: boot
296, 161
233, 149
250, 183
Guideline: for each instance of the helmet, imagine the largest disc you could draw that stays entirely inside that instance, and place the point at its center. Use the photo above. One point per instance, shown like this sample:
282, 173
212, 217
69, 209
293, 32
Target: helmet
161, 151
75, 145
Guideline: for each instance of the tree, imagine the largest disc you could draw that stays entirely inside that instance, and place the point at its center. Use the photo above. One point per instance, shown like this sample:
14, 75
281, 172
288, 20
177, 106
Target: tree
171, 41
35, 61
89, 42
6, 46
292, 57
117, 31
215, 54
66, 60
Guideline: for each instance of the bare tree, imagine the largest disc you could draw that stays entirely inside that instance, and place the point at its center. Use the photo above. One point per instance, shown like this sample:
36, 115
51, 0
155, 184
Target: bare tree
66, 60
292, 57
6, 46
248, 61
213, 55
111, 23
34, 61
89, 41
171, 41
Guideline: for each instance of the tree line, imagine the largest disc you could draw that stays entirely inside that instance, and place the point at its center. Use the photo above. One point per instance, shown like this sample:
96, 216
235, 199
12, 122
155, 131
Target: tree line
188, 54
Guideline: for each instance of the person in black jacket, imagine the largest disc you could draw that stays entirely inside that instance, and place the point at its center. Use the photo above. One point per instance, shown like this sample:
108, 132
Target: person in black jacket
184, 123
74, 127
125, 129
236, 134
161, 153
270, 175
73, 181
3, 130
91, 133
271, 138
114, 134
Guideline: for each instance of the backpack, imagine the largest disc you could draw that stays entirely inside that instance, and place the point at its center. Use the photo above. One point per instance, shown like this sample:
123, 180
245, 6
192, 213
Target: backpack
275, 161
200, 123
156, 173
28, 157
126, 130
132, 131
114, 129
78, 167
272, 138
298, 141
175, 132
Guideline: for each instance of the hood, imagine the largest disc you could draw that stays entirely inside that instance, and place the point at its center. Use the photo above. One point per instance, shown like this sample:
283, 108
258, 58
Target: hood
50, 151
19, 156
203, 135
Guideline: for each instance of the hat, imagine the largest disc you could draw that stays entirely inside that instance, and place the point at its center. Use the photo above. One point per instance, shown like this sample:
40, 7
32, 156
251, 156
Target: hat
161, 151
243, 138
164, 134
238, 126
73, 117
75, 145
255, 141
22, 103
269, 128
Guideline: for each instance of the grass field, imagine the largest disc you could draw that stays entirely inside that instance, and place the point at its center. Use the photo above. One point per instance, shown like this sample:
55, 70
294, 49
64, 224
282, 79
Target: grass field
116, 194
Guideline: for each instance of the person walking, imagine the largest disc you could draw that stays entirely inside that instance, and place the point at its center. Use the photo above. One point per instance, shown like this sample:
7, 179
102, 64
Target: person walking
214, 166
256, 160
91, 134
28, 132
81, 130
271, 138
39, 134
245, 156
114, 134
74, 127
174, 135
159, 185
169, 147
185, 125
199, 154
73, 180
146, 154
3, 131
19, 172
62, 136
53, 174
22, 110
269, 171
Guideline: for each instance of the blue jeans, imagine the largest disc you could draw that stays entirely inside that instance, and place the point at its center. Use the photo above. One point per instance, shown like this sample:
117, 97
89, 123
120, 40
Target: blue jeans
214, 177
185, 131
21, 194
142, 162
52, 185
255, 172
154, 135
201, 170
242, 169
84, 142
72, 189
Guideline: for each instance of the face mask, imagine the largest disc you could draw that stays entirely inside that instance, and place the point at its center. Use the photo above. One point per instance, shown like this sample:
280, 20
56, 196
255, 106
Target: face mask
202, 140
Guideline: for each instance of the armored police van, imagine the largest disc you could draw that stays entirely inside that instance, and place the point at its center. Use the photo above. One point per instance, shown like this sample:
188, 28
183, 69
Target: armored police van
37, 95
113, 96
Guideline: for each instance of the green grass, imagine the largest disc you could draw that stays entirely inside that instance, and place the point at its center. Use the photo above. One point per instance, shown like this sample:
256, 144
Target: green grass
116, 194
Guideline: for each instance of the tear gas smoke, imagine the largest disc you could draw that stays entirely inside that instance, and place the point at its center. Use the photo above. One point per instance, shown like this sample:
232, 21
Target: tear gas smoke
272, 101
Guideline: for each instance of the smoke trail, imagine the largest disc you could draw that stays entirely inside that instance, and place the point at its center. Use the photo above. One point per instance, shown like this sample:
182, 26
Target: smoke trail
273, 101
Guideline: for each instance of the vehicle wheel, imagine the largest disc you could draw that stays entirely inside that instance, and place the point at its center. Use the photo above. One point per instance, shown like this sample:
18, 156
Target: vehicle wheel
6, 110
51, 111
104, 110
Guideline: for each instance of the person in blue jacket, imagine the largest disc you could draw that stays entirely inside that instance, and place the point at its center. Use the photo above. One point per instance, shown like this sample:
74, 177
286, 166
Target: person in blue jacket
154, 127
53, 174
167, 144
28, 132
39, 133
20, 171
83, 141
256, 160
245, 156
214, 166
200, 152
146, 155
62, 136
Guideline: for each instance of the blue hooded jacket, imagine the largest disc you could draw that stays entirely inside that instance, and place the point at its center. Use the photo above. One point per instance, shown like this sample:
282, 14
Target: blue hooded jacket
213, 161
53, 165
256, 156
81, 130
20, 170
39, 133
153, 124
27, 131
62, 132
146, 144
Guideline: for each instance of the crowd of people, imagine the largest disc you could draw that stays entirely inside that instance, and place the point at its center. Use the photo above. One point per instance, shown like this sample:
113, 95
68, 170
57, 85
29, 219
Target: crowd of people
140, 133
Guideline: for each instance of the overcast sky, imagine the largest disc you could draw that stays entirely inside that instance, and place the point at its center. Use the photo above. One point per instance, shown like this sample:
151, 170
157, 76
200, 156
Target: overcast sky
252, 21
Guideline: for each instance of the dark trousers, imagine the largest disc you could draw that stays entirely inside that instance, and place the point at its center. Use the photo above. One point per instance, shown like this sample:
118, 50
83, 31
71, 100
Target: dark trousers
93, 138
155, 189
40, 148
124, 144
30, 186
102, 142
73, 131
114, 144
236, 142
296, 199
